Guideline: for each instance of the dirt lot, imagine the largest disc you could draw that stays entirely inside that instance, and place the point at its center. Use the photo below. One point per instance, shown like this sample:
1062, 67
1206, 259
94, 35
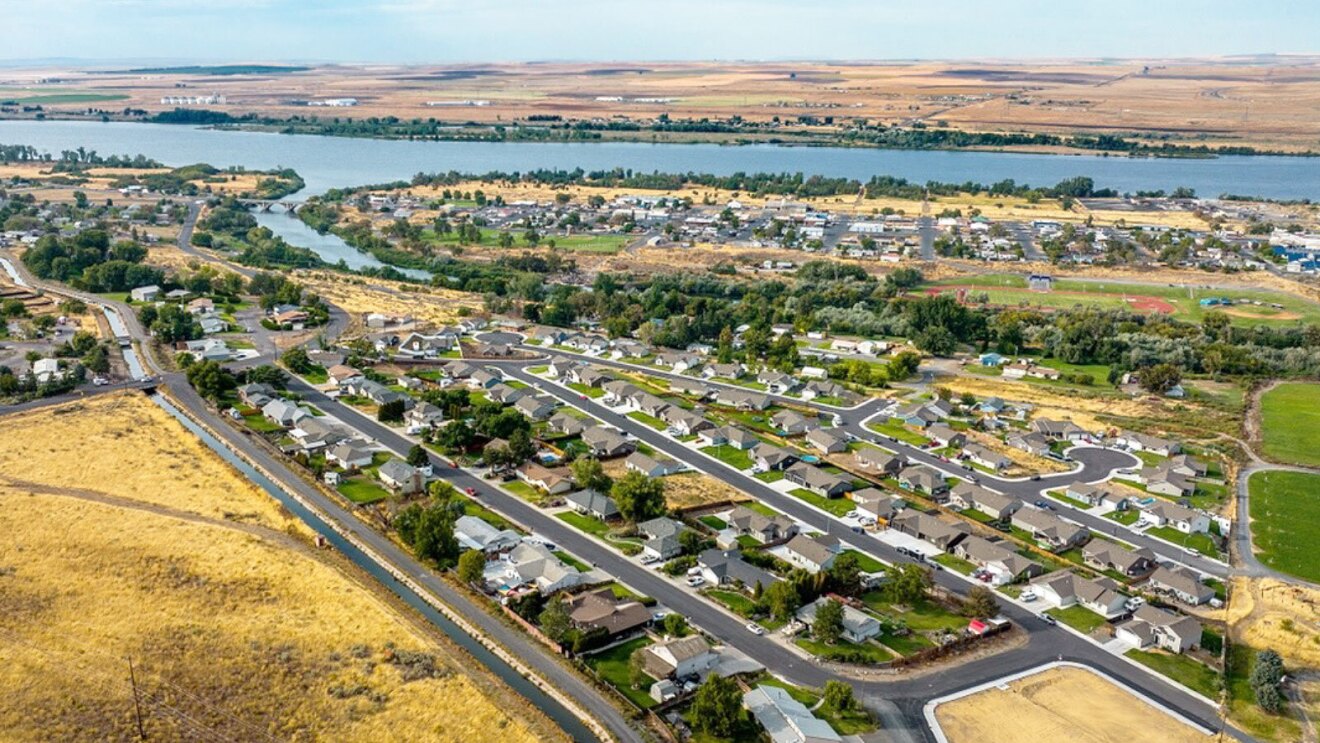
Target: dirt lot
1060, 704
128, 540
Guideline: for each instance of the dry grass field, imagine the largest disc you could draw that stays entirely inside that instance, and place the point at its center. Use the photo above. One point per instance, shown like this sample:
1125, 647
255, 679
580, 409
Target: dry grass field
1060, 704
125, 539
1262, 102
357, 297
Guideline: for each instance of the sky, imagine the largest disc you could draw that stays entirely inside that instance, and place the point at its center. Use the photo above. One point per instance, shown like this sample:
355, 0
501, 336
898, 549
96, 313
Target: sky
420, 31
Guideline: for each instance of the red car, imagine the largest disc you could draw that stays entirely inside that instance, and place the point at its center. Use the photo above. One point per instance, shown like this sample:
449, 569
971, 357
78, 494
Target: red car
470, 491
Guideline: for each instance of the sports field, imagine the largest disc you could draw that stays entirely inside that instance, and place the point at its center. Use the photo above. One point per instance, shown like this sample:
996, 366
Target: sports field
1290, 423
1285, 517
1249, 306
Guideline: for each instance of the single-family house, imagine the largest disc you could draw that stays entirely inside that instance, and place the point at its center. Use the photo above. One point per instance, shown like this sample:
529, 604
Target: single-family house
602, 610
1144, 442
661, 537
761, 527
1049, 530
858, 626
1181, 584
1031, 443
923, 479
474, 534
685, 422
282, 412
1064, 589
785, 719
531, 563
742, 399
881, 462
606, 442
536, 407
401, 477
791, 422
1103, 555
726, 567
679, 658
593, 503
738, 438
827, 441
1058, 430
812, 554
818, 480
552, 480
995, 505
424, 415
349, 455
929, 528
651, 466
770, 457
1004, 564
566, 425
877, 504
1176, 633
945, 436
986, 457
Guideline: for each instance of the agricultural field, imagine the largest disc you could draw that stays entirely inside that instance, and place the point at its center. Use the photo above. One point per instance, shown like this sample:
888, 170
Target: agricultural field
1181, 302
154, 549
1285, 519
1290, 423
1060, 704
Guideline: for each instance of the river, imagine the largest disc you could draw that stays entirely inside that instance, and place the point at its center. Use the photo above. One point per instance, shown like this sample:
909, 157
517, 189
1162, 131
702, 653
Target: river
327, 162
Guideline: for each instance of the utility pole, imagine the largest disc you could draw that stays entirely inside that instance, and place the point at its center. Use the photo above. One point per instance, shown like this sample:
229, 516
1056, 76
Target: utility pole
137, 706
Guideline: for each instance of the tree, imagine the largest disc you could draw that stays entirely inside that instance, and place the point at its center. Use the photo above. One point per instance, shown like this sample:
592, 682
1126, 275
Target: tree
418, 457
429, 531
717, 708
909, 584
904, 365
691, 542
554, 619
471, 566
845, 575
390, 412
456, 436
1266, 676
676, 625
637, 675
267, 374
210, 379
639, 497
297, 360
782, 599
980, 603
839, 696
1160, 378
589, 474
828, 624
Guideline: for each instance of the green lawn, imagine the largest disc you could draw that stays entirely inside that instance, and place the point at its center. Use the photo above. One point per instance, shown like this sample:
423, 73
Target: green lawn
1190, 673
735, 602
592, 392
954, 562
1290, 423
363, 491
1242, 700
649, 420
582, 522
905, 644
1078, 617
771, 476
760, 508
1059, 496
523, 490
714, 522
612, 665
836, 506
1127, 517
730, 455
1202, 543
258, 423
896, 429
924, 616
572, 561
867, 563
870, 652
1285, 519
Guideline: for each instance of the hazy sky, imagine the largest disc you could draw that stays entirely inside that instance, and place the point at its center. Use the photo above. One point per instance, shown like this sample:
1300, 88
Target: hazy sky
510, 30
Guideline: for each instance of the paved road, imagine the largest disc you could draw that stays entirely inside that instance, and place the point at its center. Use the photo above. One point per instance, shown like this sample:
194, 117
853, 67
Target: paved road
1027, 238
926, 230
1045, 643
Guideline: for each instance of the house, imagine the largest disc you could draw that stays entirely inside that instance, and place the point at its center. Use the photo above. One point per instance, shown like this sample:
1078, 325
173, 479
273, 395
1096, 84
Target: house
918, 415
818, 480
785, 719
212, 324
587, 376
559, 367
424, 415
1150, 625
1064, 589
593, 503
723, 371
399, 476
791, 422
823, 388
928, 528
483, 379
1104, 556
601, 610
1003, 563
1187, 466
474, 534
617, 391
282, 412
1031, 443
647, 403
314, 433
1057, 430
1166, 482
879, 461
506, 394
691, 388
534, 564
742, 399
1094, 495
877, 504
535, 407
992, 359
340, 375
460, 370
728, 436
684, 421
553, 481
256, 394
995, 505
1143, 442
566, 425
1181, 518
606, 442
661, 537
987, 457
923, 479
1181, 584
651, 467
827, 441
857, 626
945, 436
679, 658
763, 528
778, 383
812, 554
726, 567
419, 346
149, 293
349, 455
770, 457
1050, 530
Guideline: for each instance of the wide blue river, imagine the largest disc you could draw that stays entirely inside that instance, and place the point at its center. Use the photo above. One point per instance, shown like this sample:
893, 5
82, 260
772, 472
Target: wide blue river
327, 162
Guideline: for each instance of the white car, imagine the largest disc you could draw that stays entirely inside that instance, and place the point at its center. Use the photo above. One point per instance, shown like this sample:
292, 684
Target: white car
649, 559
695, 581
1028, 596
755, 628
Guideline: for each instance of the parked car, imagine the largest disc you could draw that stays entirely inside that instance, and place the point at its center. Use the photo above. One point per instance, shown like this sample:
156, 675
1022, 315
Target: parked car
695, 581
755, 628
470, 491
1048, 619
